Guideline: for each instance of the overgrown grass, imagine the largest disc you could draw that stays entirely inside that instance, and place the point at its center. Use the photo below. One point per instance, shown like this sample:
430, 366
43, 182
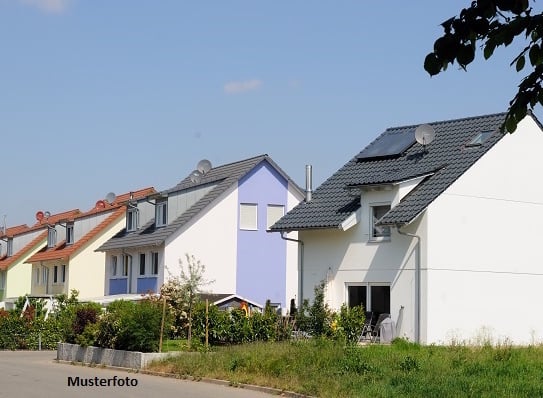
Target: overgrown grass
326, 368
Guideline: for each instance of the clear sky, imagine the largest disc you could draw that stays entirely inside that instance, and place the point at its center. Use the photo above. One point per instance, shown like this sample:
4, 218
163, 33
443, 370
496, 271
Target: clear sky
118, 95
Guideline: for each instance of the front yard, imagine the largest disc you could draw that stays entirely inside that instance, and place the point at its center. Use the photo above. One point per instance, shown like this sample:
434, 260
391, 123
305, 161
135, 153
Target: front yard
327, 368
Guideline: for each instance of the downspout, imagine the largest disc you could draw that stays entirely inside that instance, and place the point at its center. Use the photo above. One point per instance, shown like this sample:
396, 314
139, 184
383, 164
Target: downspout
301, 243
417, 283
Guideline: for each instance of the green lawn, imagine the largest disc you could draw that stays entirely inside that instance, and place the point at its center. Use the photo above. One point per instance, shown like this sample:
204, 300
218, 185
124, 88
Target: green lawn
326, 368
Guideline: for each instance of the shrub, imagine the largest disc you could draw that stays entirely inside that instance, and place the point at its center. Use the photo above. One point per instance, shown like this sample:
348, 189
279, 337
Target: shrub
349, 323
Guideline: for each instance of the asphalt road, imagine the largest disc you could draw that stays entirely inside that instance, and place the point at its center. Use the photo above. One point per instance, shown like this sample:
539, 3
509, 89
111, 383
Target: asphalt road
29, 374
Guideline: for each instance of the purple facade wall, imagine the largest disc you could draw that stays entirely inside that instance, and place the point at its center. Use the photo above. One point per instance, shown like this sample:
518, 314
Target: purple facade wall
261, 261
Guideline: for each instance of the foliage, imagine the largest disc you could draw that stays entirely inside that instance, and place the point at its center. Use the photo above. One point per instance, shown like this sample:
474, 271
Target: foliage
328, 368
182, 293
315, 319
491, 24
348, 323
127, 325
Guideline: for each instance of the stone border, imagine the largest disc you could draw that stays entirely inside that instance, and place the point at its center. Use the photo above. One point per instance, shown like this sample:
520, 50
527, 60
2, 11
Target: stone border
108, 357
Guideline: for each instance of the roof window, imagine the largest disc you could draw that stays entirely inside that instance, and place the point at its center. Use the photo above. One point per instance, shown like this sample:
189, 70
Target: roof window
480, 138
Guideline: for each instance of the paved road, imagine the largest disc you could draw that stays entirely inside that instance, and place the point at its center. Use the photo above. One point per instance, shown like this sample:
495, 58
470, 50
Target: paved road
35, 374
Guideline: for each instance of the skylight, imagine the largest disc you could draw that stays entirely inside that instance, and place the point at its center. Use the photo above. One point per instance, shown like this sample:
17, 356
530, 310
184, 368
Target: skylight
480, 138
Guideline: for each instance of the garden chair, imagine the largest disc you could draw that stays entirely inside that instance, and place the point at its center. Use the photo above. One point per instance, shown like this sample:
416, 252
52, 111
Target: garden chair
365, 335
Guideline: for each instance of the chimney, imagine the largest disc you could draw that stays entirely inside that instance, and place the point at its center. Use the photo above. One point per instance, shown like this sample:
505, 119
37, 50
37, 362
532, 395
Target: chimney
308, 182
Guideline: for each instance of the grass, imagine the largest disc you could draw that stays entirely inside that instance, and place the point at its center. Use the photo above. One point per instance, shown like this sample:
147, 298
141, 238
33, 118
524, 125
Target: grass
326, 368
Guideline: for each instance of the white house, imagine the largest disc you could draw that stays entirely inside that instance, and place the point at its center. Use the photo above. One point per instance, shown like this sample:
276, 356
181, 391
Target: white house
220, 215
444, 236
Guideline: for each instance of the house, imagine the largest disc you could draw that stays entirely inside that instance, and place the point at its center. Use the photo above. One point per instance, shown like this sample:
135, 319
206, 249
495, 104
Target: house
17, 244
220, 215
445, 235
67, 260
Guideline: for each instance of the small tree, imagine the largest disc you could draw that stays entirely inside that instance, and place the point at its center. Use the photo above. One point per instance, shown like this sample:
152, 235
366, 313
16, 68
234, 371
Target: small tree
185, 288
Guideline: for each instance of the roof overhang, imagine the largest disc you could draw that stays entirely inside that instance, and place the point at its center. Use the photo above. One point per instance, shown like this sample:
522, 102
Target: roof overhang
350, 221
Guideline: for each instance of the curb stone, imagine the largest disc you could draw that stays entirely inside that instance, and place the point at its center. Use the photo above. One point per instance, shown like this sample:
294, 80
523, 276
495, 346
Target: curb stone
267, 390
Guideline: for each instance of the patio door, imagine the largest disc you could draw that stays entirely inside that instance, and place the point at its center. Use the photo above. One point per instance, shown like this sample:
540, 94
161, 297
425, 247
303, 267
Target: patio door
373, 297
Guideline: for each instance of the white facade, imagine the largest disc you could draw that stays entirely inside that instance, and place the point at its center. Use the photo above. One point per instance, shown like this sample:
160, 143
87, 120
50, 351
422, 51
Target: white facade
480, 258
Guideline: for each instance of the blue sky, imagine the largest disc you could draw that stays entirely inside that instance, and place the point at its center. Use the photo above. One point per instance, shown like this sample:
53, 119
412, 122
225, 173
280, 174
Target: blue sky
100, 95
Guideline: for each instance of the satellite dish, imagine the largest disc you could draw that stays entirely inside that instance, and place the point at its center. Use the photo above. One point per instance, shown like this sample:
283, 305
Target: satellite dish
110, 197
47, 214
203, 166
100, 204
196, 176
425, 134
39, 215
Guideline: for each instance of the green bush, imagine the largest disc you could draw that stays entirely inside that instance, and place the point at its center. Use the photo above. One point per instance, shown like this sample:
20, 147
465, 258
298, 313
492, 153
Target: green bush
349, 323
130, 326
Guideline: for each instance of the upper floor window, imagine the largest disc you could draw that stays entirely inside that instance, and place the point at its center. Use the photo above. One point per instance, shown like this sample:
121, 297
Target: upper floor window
161, 216
248, 216
113, 265
379, 232
69, 234
132, 219
9, 248
273, 214
154, 263
142, 263
480, 138
51, 237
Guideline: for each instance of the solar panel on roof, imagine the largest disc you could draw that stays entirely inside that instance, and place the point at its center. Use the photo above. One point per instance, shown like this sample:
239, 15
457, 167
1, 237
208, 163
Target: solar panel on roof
389, 144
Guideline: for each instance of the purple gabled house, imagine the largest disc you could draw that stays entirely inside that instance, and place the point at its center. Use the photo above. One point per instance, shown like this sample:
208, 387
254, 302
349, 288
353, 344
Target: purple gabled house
221, 217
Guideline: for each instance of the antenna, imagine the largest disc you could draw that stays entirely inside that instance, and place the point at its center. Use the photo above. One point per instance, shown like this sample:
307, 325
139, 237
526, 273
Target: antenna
425, 134
203, 166
196, 176
47, 214
110, 197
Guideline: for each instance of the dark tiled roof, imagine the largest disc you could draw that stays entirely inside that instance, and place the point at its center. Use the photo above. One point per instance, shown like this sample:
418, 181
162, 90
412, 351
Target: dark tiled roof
445, 159
222, 176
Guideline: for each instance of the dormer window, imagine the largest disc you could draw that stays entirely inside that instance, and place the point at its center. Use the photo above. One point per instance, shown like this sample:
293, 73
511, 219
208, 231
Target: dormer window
379, 233
161, 215
480, 138
51, 237
9, 249
132, 219
70, 234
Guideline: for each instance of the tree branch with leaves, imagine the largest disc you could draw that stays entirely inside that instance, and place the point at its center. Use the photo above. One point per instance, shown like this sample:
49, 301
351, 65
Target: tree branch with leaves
490, 24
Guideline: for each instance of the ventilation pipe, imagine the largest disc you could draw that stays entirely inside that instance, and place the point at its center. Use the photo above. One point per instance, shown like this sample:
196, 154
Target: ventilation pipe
308, 182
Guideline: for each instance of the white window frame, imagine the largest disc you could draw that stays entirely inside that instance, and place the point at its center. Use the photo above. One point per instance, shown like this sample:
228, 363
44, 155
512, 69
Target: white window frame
154, 263
114, 266
3, 279
37, 276
125, 266
70, 234
9, 247
132, 219
161, 213
140, 257
44, 276
51, 237
271, 217
368, 286
246, 224
373, 236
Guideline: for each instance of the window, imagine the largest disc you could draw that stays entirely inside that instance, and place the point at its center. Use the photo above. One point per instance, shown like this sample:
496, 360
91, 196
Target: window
142, 263
51, 237
2, 279
273, 214
373, 297
37, 276
9, 249
154, 263
126, 259
69, 234
113, 265
45, 276
161, 214
55, 274
248, 216
480, 138
379, 232
132, 219
63, 273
